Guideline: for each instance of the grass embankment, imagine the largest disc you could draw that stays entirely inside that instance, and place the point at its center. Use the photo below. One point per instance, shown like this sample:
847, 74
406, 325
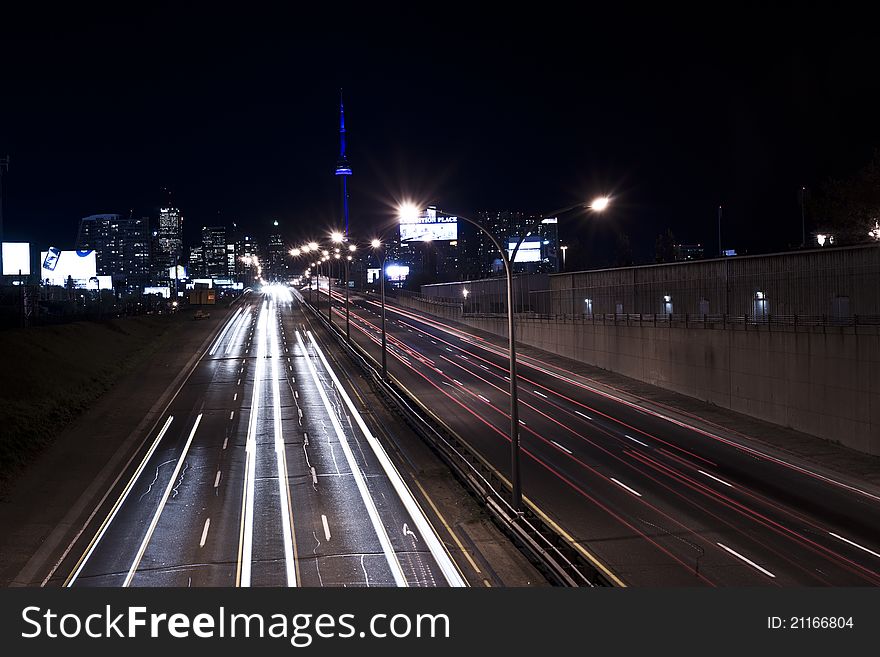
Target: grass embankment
49, 375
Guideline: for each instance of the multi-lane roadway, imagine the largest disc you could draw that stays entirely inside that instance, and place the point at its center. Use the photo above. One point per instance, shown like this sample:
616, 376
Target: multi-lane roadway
261, 472
652, 496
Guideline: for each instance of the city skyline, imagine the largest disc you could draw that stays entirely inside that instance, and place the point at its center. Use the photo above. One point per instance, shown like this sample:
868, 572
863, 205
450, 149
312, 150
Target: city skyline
497, 124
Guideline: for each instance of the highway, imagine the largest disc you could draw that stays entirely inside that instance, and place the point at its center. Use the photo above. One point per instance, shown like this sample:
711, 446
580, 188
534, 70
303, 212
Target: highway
656, 499
261, 472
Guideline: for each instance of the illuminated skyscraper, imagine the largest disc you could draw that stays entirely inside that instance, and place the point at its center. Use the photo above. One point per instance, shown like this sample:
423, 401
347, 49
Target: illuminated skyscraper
214, 251
170, 238
122, 246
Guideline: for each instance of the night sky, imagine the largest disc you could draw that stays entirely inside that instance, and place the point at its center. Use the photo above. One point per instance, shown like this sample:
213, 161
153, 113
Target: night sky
671, 111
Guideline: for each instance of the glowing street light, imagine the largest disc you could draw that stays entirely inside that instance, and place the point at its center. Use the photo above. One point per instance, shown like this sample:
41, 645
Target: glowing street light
377, 244
407, 212
600, 204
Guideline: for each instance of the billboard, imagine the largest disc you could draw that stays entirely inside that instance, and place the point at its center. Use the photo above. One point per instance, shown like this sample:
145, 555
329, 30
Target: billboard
57, 266
429, 227
16, 257
397, 273
99, 283
529, 251
178, 272
163, 291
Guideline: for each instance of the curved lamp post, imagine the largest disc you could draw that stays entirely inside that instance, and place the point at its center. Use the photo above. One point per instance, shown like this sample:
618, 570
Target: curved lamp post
598, 205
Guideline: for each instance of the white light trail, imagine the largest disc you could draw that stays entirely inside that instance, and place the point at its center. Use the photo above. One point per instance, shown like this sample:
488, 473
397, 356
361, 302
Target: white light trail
280, 457
372, 511
171, 483
119, 503
241, 323
435, 546
635, 440
246, 534
219, 339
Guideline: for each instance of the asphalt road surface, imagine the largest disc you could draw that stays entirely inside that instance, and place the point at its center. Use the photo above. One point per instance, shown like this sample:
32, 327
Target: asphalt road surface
656, 500
261, 473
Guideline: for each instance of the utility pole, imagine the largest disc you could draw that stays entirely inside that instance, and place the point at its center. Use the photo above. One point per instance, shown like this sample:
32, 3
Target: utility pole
803, 216
720, 251
4, 166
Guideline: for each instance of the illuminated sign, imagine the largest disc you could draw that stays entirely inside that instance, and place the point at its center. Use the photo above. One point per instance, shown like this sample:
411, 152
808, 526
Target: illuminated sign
429, 227
178, 272
161, 291
16, 258
99, 283
529, 251
373, 275
397, 273
60, 266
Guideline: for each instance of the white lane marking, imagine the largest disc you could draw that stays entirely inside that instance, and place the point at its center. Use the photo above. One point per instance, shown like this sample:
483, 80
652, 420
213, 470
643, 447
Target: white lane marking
485, 368
231, 414
540, 394
235, 397
238, 383
484, 399
720, 481
171, 484
119, 502
622, 485
326, 526
205, 532
854, 544
314, 475
458, 382
584, 415
299, 410
357, 474
747, 560
522, 422
564, 449
306, 437
225, 440
217, 479
281, 460
626, 435
435, 546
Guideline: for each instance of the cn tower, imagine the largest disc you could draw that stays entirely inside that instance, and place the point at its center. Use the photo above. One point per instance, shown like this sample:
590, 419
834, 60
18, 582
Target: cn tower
343, 168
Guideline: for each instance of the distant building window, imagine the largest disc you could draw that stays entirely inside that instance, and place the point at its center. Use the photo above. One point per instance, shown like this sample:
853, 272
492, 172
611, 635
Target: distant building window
703, 307
840, 307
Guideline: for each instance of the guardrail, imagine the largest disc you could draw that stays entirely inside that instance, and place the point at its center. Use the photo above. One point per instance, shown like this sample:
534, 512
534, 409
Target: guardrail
554, 554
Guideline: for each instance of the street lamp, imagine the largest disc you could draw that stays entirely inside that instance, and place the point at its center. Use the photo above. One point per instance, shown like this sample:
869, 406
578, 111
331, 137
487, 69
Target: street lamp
598, 204
339, 238
376, 244
563, 249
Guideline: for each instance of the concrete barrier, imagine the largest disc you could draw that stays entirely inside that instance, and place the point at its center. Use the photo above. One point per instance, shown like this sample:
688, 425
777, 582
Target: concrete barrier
825, 382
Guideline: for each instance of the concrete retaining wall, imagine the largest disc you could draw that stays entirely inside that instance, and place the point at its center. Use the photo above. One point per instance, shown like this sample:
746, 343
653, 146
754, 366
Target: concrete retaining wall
825, 382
